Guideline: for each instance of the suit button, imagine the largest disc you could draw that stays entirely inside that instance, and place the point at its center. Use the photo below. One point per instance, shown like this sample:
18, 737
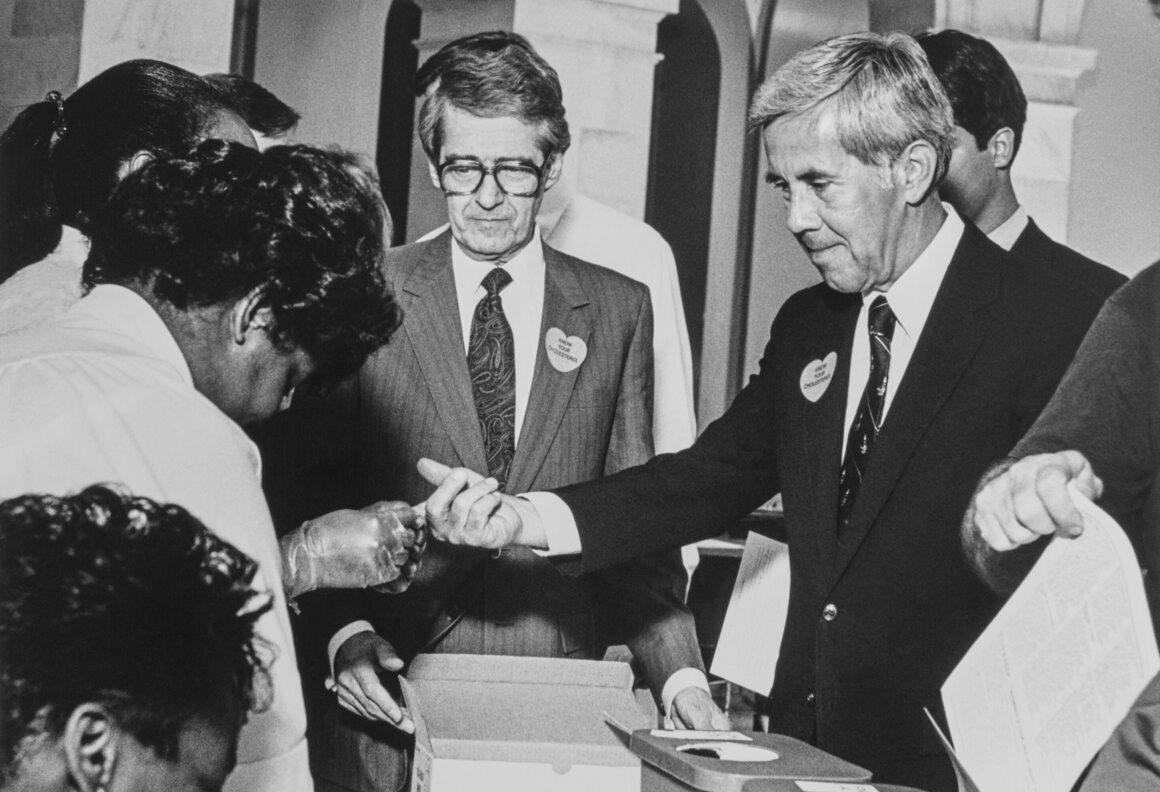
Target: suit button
830, 612
811, 701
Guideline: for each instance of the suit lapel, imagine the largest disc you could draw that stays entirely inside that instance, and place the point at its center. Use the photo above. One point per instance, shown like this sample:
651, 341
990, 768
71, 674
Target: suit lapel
566, 308
823, 422
948, 342
433, 329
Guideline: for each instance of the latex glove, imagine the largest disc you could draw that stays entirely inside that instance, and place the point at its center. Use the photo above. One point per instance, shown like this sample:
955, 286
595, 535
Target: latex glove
357, 668
694, 708
1029, 500
377, 547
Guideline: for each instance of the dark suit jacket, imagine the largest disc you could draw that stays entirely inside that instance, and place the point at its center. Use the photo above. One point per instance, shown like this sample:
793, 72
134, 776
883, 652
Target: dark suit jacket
877, 620
414, 399
1079, 269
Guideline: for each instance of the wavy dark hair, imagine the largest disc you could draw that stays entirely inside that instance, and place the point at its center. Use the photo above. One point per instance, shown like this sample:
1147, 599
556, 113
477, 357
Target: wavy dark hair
120, 601
51, 175
304, 227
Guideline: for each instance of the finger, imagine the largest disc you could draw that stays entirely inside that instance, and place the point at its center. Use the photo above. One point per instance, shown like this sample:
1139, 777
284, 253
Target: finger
376, 699
467, 503
350, 702
387, 657
1060, 513
996, 518
721, 721
434, 472
439, 502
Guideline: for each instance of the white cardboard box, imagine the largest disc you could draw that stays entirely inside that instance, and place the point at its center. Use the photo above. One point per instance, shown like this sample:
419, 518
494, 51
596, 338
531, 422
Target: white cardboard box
521, 724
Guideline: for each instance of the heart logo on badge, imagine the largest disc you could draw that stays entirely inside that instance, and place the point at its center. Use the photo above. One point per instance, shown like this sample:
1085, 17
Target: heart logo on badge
816, 376
564, 352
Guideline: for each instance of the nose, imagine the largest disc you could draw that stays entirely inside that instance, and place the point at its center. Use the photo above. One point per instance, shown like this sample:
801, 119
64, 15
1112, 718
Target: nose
801, 214
489, 195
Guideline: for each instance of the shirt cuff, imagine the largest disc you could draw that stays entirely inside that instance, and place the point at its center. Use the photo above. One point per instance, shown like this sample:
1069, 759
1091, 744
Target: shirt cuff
354, 628
558, 523
678, 681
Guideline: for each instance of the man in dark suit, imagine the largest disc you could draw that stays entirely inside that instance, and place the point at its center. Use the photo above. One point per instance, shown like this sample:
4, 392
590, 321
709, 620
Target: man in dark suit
882, 395
527, 363
990, 110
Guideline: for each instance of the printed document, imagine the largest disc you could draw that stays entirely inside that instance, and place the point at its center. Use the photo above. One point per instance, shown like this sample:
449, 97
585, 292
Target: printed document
1044, 686
750, 640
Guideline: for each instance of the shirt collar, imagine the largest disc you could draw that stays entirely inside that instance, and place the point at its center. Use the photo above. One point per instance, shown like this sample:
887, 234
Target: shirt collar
525, 265
126, 312
1009, 230
912, 295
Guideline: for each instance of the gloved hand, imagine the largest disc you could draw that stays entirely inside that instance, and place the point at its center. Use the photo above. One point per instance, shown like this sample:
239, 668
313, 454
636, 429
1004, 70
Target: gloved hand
377, 547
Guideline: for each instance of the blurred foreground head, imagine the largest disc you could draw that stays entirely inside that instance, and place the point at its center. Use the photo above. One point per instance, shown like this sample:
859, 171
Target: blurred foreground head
128, 657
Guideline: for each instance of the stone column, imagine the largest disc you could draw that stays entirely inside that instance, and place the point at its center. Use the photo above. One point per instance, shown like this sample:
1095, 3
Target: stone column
605, 53
195, 36
1037, 37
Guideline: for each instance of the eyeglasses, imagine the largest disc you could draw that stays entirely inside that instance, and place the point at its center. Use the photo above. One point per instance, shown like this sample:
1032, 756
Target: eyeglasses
463, 177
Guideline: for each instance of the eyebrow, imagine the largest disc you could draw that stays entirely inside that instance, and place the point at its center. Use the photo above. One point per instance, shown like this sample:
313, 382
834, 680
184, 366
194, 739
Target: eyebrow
473, 158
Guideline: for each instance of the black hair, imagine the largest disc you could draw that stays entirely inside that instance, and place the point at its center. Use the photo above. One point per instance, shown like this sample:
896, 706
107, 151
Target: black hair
259, 107
302, 226
491, 74
120, 601
59, 164
985, 94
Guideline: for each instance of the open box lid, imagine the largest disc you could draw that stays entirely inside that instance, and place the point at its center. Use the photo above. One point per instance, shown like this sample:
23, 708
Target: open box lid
523, 709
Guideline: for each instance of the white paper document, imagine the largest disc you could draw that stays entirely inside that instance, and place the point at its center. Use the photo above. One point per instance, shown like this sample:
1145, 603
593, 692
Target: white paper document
750, 638
1049, 679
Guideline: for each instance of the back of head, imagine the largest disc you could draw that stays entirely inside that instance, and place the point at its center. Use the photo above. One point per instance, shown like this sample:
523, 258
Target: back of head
492, 75
60, 162
261, 110
883, 91
127, 604
985, 94
302, 227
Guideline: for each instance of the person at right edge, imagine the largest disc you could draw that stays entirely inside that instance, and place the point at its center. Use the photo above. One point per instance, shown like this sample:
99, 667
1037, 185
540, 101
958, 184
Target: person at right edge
882, 396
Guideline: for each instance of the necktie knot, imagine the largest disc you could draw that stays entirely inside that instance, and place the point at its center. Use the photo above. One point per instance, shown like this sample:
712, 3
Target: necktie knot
496, 280
881, 320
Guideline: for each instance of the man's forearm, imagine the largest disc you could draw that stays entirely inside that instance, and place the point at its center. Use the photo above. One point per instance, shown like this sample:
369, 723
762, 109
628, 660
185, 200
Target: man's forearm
1002, 572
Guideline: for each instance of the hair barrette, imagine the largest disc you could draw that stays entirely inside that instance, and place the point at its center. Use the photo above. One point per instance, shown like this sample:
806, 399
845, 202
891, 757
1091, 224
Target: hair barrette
60, 127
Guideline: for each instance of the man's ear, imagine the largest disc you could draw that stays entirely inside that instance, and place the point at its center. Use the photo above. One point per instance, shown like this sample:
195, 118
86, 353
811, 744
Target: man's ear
250, 315
433, 171
134, 163
91, 746
1001, 147
555, 167
916, 169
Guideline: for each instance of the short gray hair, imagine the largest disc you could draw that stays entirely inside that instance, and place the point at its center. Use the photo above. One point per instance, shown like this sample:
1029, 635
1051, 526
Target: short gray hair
886, 96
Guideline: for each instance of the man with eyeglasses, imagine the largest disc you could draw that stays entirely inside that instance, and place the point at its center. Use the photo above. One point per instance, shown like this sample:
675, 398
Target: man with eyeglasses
520, 361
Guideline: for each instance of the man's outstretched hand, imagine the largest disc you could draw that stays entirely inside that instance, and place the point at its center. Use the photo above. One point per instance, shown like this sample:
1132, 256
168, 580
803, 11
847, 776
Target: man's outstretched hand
468, 509
377, 547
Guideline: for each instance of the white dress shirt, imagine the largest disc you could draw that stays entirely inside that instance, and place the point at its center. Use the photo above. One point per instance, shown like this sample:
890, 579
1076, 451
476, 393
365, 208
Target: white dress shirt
910, 298
1009, 230
102, 393
48, 287
523, 305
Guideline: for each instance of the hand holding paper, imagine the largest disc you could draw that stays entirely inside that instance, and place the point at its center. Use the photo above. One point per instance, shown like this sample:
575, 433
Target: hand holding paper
379, 546
469, 509
1029, 499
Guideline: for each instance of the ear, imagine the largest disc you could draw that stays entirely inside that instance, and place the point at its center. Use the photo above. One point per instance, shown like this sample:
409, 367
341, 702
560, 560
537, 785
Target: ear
555, 167
434, 173
1001, 147
250, 315
134, 163
91, 747
915, 171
